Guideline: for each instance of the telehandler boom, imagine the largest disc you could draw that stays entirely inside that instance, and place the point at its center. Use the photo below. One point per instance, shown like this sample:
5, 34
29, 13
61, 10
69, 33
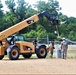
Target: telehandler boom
15, 45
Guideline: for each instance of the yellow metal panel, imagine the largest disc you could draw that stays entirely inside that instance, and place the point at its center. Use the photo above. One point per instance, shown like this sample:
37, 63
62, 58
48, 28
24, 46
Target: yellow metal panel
23, 47
4, 34
49, 48
2, 49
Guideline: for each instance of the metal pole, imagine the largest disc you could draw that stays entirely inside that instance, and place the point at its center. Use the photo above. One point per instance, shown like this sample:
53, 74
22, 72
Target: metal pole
57, 30
47, 39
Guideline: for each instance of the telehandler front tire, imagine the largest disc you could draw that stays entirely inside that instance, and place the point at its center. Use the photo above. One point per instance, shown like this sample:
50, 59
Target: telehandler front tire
13, 54
1, 57
41, 52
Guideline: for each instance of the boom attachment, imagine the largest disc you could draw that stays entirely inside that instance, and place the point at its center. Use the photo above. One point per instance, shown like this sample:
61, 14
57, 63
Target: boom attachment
54, 21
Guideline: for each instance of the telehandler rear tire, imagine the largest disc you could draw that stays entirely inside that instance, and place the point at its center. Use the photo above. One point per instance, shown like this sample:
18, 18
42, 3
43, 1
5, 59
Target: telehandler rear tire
27, 55
41, 52
13, 54
1, 57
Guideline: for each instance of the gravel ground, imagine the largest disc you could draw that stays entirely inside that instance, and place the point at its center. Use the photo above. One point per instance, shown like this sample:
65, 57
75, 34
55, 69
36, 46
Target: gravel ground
38, 66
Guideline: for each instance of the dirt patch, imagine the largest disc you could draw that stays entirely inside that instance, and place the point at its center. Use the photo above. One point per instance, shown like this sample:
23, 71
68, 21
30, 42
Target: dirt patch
38, 66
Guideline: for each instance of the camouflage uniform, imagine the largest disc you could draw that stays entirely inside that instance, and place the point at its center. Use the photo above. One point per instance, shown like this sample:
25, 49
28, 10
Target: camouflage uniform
51, 52
64, 47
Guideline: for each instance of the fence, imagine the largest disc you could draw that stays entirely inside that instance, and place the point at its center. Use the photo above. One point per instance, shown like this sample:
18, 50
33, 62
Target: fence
40, 40
47, 41
71, 47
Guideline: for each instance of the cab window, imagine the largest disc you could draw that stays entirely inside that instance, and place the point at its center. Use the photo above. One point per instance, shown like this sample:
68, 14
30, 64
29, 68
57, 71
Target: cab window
19, 38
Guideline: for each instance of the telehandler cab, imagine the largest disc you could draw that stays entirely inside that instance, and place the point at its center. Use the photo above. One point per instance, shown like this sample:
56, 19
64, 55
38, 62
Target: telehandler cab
15, 45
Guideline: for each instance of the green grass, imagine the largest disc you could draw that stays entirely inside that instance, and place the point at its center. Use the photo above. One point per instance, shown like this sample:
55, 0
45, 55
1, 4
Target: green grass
71, 54
5, 56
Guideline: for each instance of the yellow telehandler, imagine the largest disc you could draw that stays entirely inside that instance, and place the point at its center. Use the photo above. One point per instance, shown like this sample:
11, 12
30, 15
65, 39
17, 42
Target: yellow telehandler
15, 45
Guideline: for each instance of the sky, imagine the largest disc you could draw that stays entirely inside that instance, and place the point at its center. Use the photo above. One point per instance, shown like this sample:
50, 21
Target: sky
68, 6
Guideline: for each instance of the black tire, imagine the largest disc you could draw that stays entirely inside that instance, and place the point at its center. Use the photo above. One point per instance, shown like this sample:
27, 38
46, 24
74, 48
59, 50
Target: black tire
27, 55
13, 54
41, 52
1, 57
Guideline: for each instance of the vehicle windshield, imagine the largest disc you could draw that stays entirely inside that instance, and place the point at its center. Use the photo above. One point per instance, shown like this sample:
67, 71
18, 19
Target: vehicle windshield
16, 38
19, 38
9, 38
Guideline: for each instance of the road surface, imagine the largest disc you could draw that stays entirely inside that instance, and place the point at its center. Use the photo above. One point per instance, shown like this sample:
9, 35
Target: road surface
38, 66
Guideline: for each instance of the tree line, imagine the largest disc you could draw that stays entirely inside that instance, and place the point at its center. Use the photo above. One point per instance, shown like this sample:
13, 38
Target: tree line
20, 10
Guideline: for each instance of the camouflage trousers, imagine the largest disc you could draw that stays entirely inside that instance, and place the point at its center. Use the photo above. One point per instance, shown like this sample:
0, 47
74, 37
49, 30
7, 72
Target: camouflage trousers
64, 53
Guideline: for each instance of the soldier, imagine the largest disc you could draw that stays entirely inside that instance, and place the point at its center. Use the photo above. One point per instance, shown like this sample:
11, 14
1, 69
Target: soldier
51, 52
64, 47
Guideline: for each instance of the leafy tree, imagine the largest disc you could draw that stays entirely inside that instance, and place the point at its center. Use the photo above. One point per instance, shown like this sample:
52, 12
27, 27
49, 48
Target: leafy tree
52, 6
70, 20
15, 10
20, 10
31, 34
11, 15
1, 11
43, 26
63, 18
1, 17
38, 33
68, 28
